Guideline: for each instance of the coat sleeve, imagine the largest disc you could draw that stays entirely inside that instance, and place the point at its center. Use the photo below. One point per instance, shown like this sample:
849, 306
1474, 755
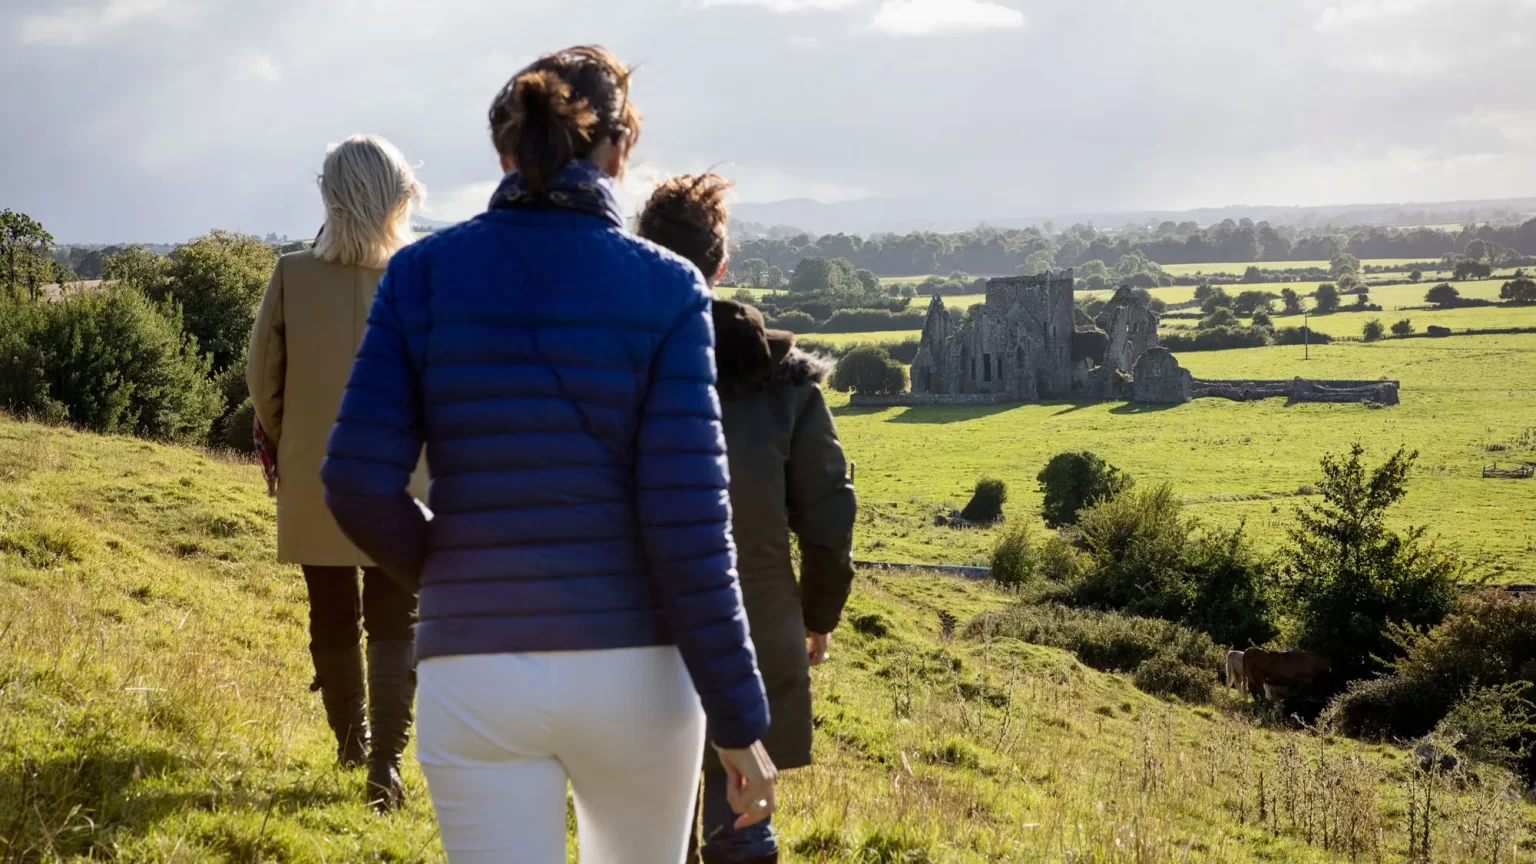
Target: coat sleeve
685, 522
822, 508
377, 440
266, 365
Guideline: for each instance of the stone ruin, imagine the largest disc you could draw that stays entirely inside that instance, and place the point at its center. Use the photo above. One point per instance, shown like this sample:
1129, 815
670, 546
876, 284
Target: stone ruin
1028, 342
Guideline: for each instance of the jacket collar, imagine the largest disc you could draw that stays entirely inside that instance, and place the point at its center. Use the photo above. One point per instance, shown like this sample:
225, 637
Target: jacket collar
580, 186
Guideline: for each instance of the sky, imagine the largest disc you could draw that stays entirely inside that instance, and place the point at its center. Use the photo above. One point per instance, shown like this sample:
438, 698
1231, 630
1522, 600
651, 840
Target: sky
156, 120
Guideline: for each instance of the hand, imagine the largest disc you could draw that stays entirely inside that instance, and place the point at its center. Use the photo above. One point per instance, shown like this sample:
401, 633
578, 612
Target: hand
749, 778
818, 647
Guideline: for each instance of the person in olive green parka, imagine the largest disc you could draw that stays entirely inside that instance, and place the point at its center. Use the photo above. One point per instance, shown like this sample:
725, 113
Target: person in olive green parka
788, 476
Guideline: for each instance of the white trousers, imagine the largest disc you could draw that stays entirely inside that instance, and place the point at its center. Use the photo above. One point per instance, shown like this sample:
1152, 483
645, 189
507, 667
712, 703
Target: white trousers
500, 735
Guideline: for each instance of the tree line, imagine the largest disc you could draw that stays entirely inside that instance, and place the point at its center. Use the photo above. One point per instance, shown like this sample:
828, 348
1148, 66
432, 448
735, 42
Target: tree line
994, 251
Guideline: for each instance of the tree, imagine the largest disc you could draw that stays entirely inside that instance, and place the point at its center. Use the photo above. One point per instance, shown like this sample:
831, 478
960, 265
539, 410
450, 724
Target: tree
1349, 284
869, 370
1203, 291
1344, 264
1521, 289
1326, 298
1217, 299
1477, 250
1353, 581
218, 280
1221, 316
138, 268
1443, 295
1362, 299
1040, 261
23, 252
773, 279
1402, 328
1292, 301
1261, 319
1373, 331
1248, 302
1253, 275
1415, 276
1074, 481
868, 280
753, 271
1470, 269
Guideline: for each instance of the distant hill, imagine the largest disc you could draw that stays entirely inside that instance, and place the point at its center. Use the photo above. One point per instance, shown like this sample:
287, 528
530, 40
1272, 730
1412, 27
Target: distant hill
889, 215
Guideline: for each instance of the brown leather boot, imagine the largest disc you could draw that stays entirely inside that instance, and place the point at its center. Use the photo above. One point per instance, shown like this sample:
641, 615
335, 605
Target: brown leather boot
339, 678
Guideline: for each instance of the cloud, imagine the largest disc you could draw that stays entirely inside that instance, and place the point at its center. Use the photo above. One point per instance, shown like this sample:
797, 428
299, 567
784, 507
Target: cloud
923, 17
786, 5
76, 26
1349, 13
258, 67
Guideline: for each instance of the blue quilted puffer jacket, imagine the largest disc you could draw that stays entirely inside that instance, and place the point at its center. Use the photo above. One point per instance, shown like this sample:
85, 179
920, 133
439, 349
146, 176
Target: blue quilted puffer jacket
561, 375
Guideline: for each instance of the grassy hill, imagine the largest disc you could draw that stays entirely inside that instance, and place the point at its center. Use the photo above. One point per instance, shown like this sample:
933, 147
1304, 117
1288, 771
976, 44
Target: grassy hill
154, 707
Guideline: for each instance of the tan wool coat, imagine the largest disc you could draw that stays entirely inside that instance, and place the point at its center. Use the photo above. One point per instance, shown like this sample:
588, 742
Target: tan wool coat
307, 331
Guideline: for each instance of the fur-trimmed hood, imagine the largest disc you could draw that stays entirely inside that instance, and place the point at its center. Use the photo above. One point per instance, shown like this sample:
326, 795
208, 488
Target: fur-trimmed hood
748, 355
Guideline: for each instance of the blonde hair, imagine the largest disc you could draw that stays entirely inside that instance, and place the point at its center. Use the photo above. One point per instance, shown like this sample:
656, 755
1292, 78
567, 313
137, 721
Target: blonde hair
368, 189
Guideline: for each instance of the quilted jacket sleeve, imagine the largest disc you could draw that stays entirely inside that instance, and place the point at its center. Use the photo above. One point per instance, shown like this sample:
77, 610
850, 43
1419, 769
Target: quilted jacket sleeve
685, 520
821, 513
377, 440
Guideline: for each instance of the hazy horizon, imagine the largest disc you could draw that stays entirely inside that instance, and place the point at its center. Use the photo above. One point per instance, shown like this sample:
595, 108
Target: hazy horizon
155, 120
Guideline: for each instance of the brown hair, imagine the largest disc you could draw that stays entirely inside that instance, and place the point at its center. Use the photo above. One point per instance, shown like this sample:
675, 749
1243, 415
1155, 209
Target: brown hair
688, 215
560, 108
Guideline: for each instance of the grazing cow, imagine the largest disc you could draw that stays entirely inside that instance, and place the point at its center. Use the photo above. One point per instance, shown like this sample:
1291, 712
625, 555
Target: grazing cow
1294, 671
1236, 680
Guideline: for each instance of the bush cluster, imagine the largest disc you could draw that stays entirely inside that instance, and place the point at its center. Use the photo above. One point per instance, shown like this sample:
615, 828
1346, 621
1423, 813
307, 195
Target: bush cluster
1114, 642
869, 369
110, 361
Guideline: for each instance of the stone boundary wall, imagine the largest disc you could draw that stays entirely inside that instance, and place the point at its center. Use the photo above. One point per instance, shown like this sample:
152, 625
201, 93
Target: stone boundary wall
906, 400
1298, 390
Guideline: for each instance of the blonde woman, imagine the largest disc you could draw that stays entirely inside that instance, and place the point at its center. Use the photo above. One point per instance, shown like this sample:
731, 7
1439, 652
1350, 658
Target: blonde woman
306, 337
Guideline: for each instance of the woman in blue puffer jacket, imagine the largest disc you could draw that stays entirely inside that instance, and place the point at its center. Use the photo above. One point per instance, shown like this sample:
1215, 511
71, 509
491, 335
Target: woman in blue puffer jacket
576, 569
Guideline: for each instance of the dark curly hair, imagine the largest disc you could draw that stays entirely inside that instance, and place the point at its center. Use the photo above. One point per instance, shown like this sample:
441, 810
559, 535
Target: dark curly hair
688, 215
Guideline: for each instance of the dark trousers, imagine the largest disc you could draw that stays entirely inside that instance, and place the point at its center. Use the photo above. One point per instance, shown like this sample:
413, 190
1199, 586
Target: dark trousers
338, 612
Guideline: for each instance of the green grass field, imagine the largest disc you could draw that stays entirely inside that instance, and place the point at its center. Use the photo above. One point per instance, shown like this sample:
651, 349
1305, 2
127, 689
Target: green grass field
154, 707
1239, 268
1466, 402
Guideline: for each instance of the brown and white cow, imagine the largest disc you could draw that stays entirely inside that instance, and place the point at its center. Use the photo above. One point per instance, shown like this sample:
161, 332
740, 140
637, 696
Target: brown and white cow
1292, 671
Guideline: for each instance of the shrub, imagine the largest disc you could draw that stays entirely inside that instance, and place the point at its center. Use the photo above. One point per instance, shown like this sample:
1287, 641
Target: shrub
1443, 295
1017, 559
1073, 481
1373, 331
233, 430
1171, 677
1013, 561
794, 321
1249, 302
1216, 299
986, 504
902, 352
871, 320
1216, 339
1489, 641
1261, 319
1493, 725
1221, 316
1301, 335
1235, 588
869, 369
1352, 580
1136, 540
111, 362
1107, 641
1402, 328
